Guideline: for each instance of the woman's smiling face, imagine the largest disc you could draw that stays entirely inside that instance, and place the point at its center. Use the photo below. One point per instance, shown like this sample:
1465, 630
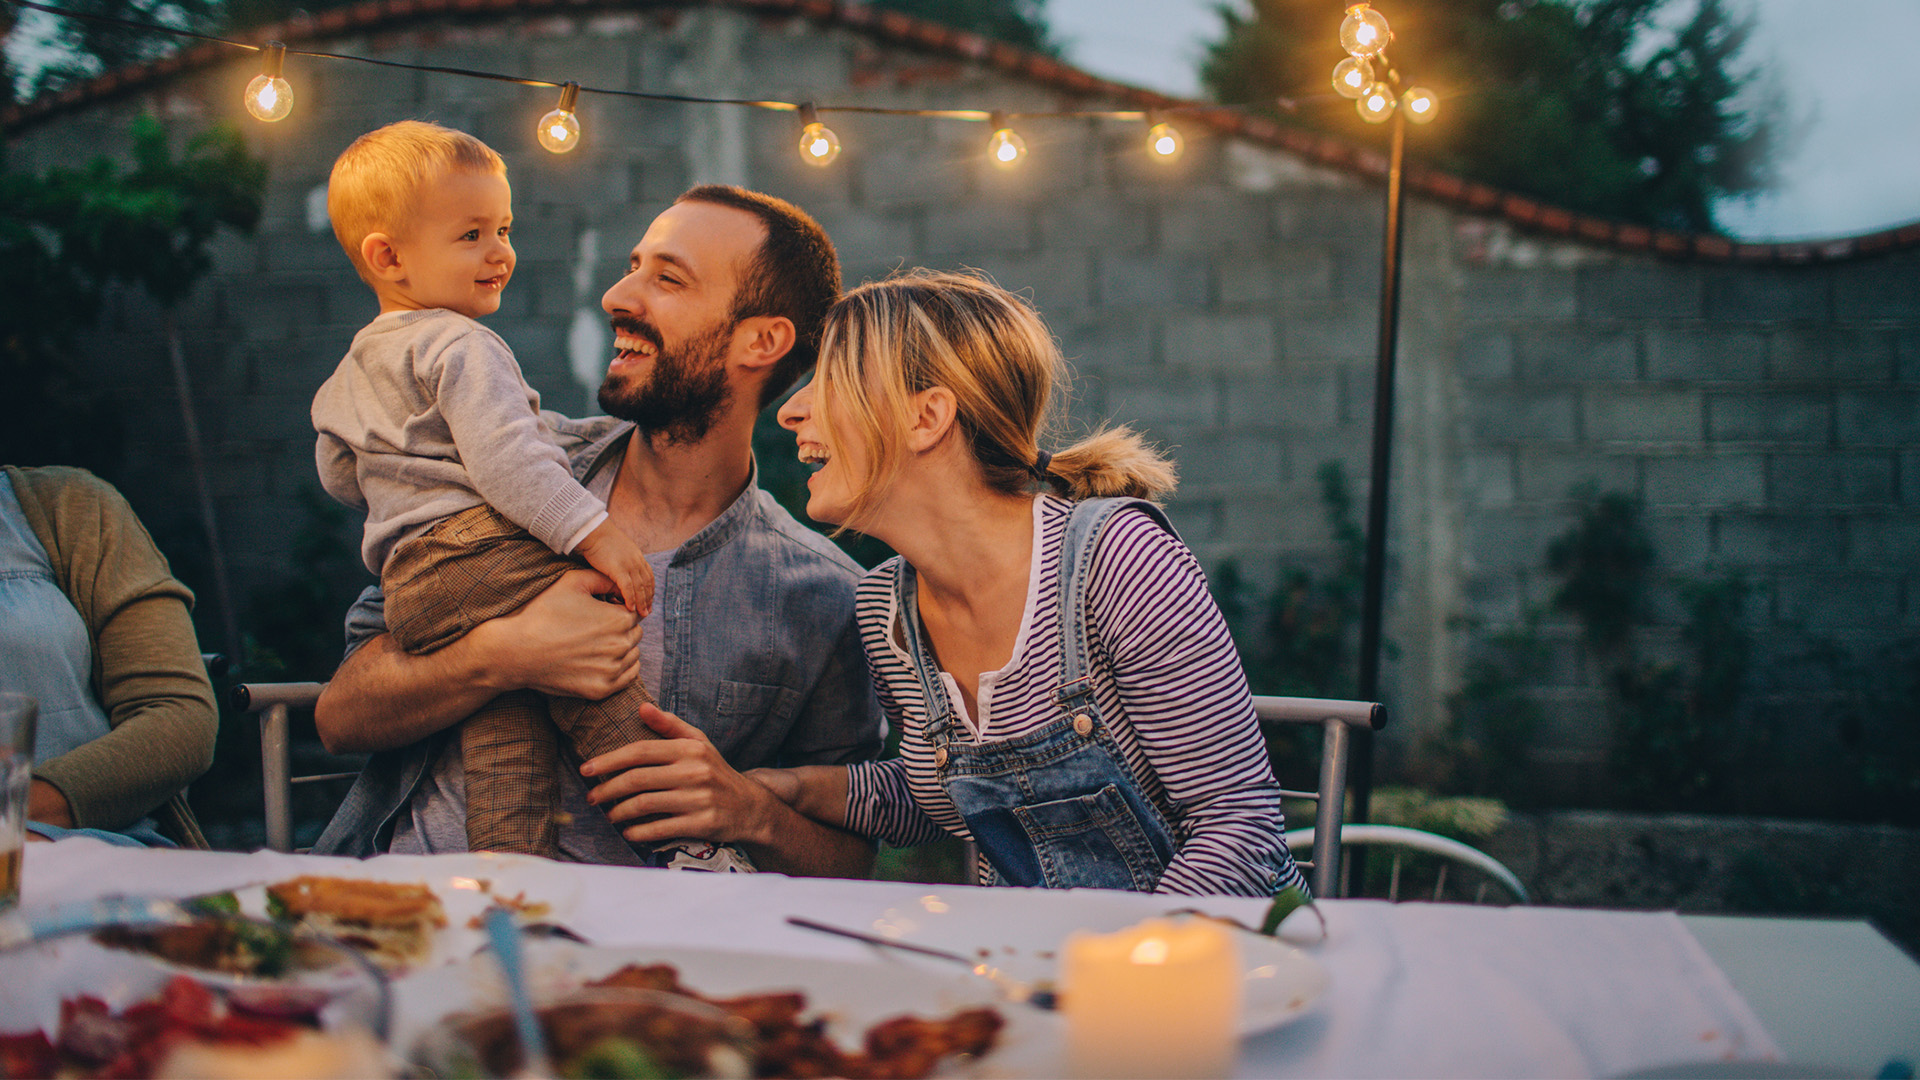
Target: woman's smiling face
831, 449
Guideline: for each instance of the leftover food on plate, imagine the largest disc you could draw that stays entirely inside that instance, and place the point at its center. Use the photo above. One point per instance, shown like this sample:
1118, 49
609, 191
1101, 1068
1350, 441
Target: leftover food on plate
392, 922
641, 1021
187, 1030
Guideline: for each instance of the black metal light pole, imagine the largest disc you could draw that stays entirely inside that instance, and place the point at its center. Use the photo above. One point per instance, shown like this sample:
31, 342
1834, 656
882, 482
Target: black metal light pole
1365, 35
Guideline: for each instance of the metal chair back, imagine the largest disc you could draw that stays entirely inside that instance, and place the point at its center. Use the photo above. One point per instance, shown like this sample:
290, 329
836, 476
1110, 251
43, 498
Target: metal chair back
274, 704
1337, 720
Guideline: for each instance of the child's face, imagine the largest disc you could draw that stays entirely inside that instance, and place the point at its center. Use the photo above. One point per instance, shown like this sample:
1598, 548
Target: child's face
455, 253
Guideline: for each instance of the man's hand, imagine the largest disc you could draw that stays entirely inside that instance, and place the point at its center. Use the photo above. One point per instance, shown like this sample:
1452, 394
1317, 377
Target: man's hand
564, 642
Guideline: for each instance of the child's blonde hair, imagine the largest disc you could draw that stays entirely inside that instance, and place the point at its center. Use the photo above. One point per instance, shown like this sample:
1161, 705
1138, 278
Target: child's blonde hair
376, 181
888, 340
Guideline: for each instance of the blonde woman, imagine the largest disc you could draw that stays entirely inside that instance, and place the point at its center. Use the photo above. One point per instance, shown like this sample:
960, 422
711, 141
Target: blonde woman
1066, 690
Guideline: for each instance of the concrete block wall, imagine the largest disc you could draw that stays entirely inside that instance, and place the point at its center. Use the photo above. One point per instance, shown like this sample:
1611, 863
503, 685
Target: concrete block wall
1224, 304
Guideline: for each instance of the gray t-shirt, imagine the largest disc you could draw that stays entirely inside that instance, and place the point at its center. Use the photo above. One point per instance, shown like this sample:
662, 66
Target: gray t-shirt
436, 821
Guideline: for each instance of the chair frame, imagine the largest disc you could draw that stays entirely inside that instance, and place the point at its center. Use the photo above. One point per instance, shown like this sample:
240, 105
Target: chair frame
274, 703
1337, 720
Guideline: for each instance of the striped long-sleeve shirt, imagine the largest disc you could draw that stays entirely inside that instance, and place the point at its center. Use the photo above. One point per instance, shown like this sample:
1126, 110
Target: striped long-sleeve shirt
1165, 675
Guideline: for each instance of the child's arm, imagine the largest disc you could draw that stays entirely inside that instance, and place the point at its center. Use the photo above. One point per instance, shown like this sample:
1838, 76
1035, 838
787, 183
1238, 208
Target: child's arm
614, 554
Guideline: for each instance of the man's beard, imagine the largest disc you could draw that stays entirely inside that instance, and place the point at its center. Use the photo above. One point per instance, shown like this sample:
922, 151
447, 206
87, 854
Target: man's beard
684, 393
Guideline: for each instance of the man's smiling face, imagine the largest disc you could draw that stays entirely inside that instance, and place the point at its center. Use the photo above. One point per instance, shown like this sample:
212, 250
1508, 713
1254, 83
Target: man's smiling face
672, 319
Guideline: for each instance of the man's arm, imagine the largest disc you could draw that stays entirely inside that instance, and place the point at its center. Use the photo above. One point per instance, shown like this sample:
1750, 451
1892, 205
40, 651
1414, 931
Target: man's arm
682, 777
563, 642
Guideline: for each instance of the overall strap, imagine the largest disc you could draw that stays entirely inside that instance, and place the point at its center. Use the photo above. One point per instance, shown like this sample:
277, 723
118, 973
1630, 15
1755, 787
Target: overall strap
1084, 526
906, 601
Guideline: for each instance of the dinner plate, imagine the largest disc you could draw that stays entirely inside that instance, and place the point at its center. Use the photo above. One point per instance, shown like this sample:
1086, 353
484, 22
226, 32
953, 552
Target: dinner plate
849, 997
1006, 928
466, 884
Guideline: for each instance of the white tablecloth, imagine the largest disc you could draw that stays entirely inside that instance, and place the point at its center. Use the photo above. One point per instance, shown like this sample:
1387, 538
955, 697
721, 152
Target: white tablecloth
1416, 990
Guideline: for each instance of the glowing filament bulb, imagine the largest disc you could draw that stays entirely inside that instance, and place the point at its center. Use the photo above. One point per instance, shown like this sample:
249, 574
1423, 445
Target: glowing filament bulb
559, 130
1420, 103
1165, 142
268, 96
1364, 32
818, 144
1352, 76
1377, 103
1006, 148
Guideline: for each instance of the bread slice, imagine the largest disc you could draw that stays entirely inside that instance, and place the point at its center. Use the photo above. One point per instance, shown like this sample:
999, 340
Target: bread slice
391, 922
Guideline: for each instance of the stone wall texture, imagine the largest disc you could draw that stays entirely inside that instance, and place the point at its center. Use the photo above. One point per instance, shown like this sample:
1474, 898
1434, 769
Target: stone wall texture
1766, 413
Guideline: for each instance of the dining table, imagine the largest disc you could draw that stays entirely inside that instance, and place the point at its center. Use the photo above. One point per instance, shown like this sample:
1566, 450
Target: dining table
1348, 988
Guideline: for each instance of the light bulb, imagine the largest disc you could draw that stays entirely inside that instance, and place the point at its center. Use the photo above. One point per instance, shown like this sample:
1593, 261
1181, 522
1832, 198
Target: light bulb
818, 144
1165, 142
1376, 104
559, 130
1352, 76
1421, 104
1364, 32
268, 96
1006, 148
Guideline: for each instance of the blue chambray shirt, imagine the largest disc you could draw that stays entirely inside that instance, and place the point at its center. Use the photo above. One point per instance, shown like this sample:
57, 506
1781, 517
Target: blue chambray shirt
761, 651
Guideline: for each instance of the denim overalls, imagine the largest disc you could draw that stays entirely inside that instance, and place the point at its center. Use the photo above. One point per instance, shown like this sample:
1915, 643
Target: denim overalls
1058, 806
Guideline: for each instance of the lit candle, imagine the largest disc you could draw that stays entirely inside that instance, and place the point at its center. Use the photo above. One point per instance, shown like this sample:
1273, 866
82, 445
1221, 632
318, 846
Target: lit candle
1161, 999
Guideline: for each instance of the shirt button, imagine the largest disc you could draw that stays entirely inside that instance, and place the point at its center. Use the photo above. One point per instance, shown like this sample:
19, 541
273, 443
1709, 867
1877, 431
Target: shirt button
1082, 724
939, 757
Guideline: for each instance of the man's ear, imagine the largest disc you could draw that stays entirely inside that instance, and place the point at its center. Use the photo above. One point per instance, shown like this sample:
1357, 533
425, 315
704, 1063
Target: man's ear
930, 417
761, 340
377, 250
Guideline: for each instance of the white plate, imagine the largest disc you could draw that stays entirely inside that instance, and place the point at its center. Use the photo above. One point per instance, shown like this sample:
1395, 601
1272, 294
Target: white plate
1005, 927
466, 884
851, 997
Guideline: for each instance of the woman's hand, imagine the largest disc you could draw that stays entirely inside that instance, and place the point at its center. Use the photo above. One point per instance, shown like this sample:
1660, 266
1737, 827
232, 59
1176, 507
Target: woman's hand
678, 786
48, 806
782, 782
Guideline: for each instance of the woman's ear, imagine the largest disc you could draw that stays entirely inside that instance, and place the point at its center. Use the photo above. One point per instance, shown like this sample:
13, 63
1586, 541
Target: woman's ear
931, 417
381, 256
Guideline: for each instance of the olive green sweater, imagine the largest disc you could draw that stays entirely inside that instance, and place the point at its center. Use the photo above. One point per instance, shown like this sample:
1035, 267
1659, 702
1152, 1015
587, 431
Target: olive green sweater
147, 671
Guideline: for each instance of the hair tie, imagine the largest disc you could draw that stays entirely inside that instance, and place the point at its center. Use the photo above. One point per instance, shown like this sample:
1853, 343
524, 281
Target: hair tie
1040, 463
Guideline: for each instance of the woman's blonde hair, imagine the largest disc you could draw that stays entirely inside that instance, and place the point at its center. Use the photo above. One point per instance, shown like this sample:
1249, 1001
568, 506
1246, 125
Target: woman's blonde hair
376, 182
886, 341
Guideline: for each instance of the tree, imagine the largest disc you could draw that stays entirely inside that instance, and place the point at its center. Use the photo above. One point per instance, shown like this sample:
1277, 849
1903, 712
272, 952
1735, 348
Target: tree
85, 47
1016, 22
65, 238
1620, 108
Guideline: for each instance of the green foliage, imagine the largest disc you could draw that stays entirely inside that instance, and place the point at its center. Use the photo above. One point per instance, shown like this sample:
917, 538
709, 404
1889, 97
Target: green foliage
1305, 639
87, 47
66, 237
1492, 719
1603, 563
1559, 99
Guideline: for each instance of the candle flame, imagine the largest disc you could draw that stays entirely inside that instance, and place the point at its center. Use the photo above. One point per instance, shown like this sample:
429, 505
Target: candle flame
1152, 950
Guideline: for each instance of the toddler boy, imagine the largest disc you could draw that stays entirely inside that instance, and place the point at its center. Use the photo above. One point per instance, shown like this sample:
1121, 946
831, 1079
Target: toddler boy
429, 426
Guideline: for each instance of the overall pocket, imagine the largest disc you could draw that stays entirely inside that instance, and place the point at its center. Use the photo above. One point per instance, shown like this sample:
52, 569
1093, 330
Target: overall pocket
1092, 841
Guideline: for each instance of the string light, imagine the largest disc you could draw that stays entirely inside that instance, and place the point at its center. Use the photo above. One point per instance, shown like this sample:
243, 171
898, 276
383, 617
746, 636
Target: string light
1006, 148
1364, 32
1352, 76
559, 130
1163, 140
1421, 104
1376, 104
818, 144
268, 96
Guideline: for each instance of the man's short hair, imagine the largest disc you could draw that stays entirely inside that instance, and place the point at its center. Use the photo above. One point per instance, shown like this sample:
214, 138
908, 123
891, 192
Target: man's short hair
376, 181
796, 273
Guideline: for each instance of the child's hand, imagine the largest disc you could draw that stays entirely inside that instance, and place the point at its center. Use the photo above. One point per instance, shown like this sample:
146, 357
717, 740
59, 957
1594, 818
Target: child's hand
614, 554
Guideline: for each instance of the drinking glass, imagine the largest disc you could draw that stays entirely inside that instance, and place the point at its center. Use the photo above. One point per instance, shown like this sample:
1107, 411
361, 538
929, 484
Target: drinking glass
17, 715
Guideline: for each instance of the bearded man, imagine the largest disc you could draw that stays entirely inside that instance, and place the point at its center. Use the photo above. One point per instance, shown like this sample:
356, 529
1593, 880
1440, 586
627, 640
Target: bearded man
750, 646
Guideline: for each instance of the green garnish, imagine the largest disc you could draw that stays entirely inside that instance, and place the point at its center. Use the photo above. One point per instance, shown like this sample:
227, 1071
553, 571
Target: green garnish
615, 1058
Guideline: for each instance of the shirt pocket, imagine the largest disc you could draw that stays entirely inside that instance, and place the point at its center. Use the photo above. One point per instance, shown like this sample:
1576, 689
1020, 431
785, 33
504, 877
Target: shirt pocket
741, 707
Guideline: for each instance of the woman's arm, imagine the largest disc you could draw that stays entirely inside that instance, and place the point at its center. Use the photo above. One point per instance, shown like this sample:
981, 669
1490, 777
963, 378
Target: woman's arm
1185, 696
149, 677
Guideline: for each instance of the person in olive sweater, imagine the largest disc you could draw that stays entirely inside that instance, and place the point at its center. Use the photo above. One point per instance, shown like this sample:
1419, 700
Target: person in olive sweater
94, 625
